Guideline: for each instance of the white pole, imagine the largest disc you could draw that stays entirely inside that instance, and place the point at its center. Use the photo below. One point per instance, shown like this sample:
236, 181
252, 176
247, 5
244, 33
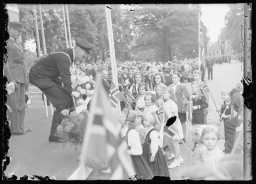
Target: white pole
39, 54
68, 26
111, 45
37, 32
42, 30
112, 49
44, 42
65, 27
199, 32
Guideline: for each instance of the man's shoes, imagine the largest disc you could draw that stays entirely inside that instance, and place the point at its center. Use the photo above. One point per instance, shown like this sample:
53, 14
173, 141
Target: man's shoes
17, 133
172, 156
175, 163
56, 139
27, 130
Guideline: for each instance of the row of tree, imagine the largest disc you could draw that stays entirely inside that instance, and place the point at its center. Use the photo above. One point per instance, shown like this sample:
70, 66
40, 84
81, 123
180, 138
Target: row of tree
148, 32
233, 30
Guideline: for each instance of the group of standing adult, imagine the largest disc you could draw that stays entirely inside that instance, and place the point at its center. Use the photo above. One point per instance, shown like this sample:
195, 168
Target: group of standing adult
17, 83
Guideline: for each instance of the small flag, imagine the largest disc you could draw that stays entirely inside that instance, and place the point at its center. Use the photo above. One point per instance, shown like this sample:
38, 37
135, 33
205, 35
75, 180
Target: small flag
114, 91
103, 149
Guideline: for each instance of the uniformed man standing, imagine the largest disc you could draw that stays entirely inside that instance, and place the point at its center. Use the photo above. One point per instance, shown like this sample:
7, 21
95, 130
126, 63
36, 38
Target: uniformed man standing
15, 72
52, 75
200, 99
236, 117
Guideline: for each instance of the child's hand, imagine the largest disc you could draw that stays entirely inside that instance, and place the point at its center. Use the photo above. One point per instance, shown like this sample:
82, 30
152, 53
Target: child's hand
65, 112
152, 158
75, 94
10, 87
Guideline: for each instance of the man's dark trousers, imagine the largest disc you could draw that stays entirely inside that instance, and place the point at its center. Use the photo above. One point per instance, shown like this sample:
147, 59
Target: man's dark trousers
59, 98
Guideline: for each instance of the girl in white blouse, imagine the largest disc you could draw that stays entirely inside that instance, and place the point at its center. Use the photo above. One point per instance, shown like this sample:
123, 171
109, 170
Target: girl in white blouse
152, 151
135, 150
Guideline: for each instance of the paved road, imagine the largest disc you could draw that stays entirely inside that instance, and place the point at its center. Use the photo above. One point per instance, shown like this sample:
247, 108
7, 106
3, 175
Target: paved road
33, 154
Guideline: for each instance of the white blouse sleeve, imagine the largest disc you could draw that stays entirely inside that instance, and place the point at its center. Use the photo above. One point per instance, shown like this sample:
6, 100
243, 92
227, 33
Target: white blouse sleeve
134, 143
155, 142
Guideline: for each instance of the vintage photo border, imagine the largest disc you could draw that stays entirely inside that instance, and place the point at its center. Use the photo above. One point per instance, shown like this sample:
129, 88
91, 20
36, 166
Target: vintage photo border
249, 94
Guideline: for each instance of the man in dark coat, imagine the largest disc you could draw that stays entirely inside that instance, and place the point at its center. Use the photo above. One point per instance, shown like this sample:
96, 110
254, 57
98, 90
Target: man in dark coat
236, 117
15, 72
200, 100
52, 75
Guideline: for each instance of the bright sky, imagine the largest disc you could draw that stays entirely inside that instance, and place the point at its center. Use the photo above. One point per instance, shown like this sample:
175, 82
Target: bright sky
213, 16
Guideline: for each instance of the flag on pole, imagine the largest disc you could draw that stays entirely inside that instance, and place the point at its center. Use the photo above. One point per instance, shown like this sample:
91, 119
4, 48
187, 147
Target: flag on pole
112, 51
103, 149
113, 96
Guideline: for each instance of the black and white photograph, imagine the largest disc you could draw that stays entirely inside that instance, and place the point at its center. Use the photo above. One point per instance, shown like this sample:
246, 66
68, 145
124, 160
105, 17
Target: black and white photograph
128, 91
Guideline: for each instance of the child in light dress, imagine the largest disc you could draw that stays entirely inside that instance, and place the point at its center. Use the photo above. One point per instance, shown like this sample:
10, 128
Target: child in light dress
206, 156
207, 150
152, 151
134, 142
170, 109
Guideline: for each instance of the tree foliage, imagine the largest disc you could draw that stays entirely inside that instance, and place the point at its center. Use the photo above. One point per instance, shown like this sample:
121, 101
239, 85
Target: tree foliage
153, 32
233, 28
169, 31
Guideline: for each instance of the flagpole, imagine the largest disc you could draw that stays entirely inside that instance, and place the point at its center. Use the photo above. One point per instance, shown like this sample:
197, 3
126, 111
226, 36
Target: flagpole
68, 26
43, 39
37, 32
42, 30
39, 54
199, 31
65, 27
112, 48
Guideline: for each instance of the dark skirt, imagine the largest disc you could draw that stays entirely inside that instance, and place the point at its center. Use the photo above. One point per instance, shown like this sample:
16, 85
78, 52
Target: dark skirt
199, 116
159, 165
182, 117
141, 167
230, 135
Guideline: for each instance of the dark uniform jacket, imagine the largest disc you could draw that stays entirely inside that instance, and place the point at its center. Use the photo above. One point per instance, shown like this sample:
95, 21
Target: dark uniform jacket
47, 71
15, 71
237, 106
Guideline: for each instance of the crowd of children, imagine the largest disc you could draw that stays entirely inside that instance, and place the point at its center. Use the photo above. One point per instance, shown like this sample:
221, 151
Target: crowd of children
158, 112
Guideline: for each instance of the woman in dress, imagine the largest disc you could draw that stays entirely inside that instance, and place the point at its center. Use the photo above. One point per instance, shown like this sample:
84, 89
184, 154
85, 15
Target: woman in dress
200, 100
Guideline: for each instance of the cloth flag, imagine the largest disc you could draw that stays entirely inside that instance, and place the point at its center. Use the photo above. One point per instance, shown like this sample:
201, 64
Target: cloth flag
103, 149
114, 98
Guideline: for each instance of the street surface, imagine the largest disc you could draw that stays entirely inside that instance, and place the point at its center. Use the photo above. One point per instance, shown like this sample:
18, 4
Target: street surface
33, 154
